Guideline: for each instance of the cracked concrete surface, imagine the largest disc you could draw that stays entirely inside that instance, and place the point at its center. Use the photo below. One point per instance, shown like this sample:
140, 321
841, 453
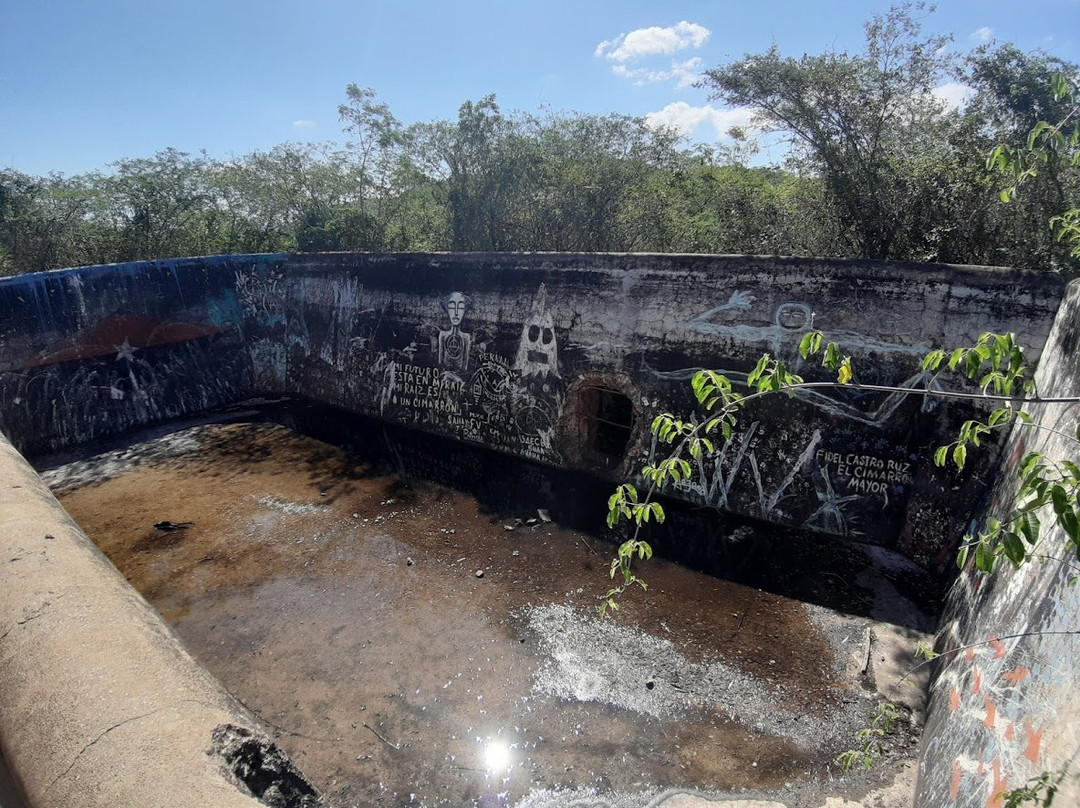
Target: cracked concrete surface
102, 705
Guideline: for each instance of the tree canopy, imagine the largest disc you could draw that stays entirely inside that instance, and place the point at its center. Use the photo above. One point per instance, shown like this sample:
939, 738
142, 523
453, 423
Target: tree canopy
878, 167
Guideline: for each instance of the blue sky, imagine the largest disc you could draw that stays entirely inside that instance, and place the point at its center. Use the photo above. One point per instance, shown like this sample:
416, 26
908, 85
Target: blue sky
86, 83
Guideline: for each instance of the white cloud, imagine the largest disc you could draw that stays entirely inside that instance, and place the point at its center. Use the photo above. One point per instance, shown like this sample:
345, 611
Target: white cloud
953, 94
302, 124
984, 34
687, 119
653, 41
686, 72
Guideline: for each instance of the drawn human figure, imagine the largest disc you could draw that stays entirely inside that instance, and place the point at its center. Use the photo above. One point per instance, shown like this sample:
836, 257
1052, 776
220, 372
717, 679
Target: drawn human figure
455, 344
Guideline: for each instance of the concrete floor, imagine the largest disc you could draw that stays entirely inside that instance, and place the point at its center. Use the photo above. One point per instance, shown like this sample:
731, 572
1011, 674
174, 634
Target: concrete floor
408, 648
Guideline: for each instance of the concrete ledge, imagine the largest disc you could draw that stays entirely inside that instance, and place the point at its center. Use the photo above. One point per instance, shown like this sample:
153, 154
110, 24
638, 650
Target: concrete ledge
101, 704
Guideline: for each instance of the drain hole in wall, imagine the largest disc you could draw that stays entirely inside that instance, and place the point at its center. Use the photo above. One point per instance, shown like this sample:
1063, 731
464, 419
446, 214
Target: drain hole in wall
608, 419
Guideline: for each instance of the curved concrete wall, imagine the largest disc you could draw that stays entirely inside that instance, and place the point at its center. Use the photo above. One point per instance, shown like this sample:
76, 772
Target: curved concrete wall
101, 705
509, 351
520, 353
1006, 708
93, 351
529, 353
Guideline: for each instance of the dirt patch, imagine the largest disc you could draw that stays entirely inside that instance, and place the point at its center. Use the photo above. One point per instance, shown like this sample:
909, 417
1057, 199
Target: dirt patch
345, 608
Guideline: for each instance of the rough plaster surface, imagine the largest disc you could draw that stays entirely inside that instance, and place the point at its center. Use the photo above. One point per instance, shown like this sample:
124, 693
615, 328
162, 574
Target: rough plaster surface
1006, 709
503, 349
101, 704
373, 333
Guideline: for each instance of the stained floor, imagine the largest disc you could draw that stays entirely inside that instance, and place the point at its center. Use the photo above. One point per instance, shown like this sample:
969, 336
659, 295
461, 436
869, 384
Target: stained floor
408, 647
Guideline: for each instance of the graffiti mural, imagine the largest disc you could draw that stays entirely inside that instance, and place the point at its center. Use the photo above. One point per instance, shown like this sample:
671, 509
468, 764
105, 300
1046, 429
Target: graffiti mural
1000, 692
57, 401
261, 293
455, 344
488, 349
538, 350
457, 376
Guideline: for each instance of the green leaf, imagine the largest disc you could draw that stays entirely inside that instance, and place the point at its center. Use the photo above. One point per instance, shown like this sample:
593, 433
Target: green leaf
755, 374
1028, 524
658, 512
933, 360
831, 361
844, 374
1060, 497
962, 556
1070, 524
1029, 462
940, 455
959, 455
1014, 548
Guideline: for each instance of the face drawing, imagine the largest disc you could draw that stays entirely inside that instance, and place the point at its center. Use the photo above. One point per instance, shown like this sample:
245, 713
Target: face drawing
455, 306
455, 344
538, 351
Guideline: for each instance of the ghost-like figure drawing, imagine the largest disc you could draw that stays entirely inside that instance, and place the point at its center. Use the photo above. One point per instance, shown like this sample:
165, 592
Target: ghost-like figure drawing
455, 344
538, 352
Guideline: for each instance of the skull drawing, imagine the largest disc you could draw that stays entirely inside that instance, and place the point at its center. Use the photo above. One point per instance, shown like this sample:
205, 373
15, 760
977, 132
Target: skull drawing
538, 351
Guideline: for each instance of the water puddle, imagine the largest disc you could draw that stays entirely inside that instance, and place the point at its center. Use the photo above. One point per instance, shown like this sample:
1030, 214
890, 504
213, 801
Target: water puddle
408, 644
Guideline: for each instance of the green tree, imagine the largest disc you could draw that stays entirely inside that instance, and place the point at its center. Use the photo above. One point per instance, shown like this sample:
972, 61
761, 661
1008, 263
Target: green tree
43, 221
868, 124
1012, 89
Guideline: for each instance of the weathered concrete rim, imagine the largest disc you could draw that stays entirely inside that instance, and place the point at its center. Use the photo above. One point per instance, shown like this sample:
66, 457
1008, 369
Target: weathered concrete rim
102, 705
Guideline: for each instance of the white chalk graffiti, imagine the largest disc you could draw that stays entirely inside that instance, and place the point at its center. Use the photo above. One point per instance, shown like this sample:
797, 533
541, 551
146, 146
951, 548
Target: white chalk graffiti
790, 321
454, 344
538, 350
830, 516
715, 477
262, 294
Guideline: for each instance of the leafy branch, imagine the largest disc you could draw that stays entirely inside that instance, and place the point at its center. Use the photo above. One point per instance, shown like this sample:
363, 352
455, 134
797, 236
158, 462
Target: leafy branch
716, 394
1046, 143
996, 363
1039, 791
872, 738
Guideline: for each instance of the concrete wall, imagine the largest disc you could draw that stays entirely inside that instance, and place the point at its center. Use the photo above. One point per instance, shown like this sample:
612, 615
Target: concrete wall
1007, 708
530, 354
542, 354
93, 351
101, 705
537, 335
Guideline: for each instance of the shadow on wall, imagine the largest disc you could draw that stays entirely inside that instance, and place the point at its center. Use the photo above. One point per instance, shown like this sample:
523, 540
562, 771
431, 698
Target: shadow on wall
10, 797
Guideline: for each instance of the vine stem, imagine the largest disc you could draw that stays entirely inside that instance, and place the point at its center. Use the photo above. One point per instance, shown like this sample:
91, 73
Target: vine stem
792, 388
918, 391
991, 641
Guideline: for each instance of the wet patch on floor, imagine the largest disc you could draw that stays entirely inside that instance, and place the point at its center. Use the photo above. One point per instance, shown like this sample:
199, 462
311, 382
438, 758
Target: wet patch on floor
407, 646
